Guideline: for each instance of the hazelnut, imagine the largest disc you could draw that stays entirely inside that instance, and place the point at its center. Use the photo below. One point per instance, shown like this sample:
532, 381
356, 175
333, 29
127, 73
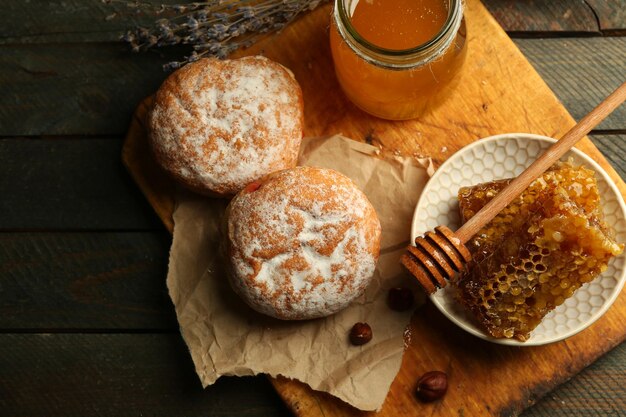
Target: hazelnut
400, 299
360, 334
432, 386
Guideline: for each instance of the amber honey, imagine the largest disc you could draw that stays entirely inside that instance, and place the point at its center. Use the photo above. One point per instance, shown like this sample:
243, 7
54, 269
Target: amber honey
399, 24
397, 59
536, 252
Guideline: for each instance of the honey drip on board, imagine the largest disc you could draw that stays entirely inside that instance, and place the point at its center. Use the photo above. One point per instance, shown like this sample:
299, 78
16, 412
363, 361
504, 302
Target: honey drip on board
399, 24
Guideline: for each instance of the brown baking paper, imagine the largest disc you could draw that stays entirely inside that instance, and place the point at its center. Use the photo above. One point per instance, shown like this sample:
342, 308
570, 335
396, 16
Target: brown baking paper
226, 337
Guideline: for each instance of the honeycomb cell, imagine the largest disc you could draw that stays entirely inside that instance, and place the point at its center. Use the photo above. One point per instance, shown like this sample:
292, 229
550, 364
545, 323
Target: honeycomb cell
546, 244
468, 158
509, 163
595, 301
499, 156
432, 211
498, 171
438, 189
533, 148
595, 289
441, 219
443, 206
489, 160
512, 148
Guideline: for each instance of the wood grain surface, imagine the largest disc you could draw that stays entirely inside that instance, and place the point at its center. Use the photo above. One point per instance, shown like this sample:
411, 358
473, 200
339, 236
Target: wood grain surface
614, 149
46, 21
65, 352
47, 55
592, 57
611, 15
500, 92
72, 281
69, 184
539, 16
153, 367
72, 21
92, 97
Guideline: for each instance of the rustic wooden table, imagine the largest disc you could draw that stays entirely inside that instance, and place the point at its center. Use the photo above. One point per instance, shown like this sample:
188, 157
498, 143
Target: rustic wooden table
86, 325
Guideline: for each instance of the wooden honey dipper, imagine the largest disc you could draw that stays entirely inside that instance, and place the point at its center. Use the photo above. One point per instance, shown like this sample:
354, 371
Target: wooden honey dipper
438, 254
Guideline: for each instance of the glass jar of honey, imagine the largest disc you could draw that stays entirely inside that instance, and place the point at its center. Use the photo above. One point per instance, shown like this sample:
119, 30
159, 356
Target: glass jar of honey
396, 59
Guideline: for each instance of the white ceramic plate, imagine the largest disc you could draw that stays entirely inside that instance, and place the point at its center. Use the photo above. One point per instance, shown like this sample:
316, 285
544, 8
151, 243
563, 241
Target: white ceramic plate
506, 156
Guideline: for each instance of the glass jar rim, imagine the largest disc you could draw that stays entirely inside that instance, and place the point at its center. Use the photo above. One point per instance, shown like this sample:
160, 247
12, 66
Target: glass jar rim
451, 18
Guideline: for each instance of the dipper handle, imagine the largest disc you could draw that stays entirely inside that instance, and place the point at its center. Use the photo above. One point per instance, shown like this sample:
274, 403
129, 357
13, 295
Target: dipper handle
437, 255
545, 161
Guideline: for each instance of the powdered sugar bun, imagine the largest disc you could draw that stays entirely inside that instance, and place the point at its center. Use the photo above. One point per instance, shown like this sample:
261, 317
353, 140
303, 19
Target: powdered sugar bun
302, 243
217, 125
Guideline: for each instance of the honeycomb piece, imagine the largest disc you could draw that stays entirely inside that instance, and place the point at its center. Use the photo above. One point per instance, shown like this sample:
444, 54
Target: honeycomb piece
537, 252
577, 181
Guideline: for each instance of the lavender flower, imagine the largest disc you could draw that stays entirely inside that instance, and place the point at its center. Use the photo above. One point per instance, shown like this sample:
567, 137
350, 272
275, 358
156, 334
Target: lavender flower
213, 28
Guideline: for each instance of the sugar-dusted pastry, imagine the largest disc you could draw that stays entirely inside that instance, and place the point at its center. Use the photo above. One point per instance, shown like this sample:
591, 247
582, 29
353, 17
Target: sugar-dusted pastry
302, 243
216, 126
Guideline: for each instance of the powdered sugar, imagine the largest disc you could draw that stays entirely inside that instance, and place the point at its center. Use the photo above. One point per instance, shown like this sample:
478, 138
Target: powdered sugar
304, 244
228, 123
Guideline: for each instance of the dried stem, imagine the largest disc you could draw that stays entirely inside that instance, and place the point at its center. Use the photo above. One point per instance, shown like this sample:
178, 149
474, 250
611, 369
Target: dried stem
213, 28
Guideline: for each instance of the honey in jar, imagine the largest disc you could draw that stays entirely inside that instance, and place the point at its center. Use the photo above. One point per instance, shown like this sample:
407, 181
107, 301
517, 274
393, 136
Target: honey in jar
396, 59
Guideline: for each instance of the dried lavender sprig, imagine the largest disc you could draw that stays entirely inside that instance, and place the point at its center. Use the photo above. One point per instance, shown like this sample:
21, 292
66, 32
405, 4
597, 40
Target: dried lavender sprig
213, 28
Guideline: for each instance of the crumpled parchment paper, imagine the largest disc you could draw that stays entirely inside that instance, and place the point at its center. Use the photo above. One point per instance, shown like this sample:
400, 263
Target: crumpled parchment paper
226, 337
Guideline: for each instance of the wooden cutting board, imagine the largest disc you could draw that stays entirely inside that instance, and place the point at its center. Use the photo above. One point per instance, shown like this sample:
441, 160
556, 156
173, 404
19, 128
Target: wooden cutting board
500, 92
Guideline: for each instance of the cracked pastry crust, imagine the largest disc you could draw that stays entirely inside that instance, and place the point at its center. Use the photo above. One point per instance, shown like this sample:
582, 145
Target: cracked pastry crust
302, 243
217, 125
